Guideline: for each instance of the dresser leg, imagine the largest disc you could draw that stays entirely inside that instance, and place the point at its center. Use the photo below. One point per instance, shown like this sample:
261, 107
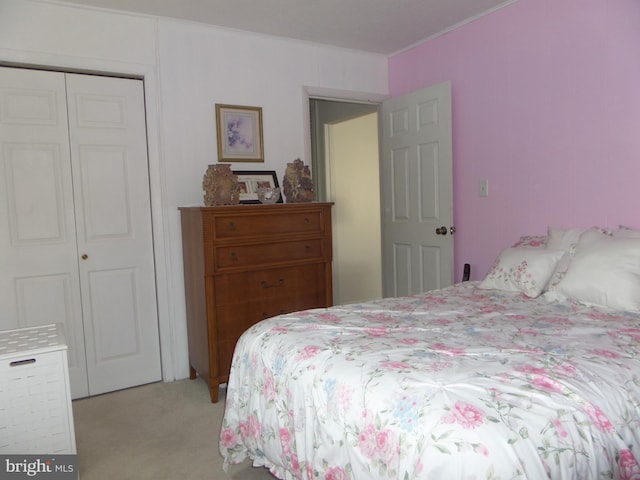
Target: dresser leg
214, 385
214, 391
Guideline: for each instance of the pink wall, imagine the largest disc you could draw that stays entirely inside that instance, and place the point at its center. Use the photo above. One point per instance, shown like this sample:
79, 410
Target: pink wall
546, 106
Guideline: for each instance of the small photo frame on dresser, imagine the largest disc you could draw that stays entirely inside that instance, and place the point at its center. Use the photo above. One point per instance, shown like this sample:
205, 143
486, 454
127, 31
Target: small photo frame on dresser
250, 181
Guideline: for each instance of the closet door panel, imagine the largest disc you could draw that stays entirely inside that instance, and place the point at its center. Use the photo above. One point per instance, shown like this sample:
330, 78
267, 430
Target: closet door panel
109, 160
118, 332
39, 281
107, 213
35, 193
43, 299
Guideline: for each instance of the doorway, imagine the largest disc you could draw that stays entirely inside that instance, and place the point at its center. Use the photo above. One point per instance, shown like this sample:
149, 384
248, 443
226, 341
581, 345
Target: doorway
346, 171
415, 182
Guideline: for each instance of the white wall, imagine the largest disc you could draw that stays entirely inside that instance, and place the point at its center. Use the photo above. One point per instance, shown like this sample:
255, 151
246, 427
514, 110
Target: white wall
188, 68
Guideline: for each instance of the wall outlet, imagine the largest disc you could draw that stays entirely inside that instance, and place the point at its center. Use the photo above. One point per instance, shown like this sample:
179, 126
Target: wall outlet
484, 188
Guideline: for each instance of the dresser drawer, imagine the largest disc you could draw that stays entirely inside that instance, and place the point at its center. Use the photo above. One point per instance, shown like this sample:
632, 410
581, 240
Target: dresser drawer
274, 284
255, 255
233, 319
245, 225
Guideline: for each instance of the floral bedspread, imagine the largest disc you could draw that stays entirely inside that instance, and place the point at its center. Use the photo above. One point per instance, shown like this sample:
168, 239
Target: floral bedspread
459, 383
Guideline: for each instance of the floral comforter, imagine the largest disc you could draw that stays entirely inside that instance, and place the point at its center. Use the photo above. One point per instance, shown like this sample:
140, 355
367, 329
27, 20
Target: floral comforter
459, 383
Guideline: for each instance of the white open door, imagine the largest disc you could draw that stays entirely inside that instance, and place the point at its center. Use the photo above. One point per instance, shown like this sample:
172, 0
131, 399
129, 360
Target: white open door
416, 187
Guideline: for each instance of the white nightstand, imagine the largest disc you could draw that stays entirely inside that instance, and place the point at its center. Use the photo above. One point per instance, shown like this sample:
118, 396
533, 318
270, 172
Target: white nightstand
35, 401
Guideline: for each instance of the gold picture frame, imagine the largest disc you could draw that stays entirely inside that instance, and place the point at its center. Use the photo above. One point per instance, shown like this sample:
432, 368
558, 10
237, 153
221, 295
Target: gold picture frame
239, 131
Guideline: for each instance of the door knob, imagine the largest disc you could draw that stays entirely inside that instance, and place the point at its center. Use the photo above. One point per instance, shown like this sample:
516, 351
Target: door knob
441, 231
85, 256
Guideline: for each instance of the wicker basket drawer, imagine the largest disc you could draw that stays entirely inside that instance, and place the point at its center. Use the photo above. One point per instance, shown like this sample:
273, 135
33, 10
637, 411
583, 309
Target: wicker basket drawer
35, 403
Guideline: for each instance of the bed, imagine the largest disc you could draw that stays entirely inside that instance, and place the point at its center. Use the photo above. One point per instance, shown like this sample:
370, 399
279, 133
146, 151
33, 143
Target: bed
531, 373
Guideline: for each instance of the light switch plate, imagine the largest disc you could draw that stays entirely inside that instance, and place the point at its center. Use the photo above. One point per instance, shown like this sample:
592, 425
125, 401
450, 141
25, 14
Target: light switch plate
484, 188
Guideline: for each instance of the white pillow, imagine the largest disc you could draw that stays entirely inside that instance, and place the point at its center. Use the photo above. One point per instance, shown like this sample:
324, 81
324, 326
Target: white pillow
525, 270
562, 238
592, 234
606, 273
626, 232
584, 238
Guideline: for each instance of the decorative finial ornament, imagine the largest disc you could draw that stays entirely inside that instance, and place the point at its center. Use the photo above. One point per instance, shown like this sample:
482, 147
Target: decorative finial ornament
220, 186
297, 183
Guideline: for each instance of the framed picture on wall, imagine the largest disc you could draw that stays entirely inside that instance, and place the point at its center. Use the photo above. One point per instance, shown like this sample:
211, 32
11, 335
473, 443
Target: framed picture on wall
239, 133
250, 181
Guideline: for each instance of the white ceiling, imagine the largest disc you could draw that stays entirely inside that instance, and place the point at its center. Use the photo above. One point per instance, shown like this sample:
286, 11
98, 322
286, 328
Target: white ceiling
377, 26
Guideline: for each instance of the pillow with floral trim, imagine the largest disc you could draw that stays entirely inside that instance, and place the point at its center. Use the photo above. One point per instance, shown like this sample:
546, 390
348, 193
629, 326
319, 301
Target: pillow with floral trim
525, 270
606, 273
531, 241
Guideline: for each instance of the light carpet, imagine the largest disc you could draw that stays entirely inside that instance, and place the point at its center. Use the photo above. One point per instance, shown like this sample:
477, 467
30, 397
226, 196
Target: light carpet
157, 431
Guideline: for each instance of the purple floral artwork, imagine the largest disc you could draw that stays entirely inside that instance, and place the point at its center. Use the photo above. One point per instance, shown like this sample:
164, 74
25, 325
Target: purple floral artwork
240, 133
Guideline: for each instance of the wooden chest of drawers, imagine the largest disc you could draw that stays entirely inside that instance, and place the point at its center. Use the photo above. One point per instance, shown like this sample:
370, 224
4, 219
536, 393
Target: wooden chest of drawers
245, 263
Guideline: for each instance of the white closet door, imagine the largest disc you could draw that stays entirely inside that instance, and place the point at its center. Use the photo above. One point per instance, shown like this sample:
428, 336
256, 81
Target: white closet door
39, 282
75, 222
110, 174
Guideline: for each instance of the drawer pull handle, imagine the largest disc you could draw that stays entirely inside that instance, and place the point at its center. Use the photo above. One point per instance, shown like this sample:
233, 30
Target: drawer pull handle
17, 363
307, 248
307, 220
234, 256
279, 283
232, 226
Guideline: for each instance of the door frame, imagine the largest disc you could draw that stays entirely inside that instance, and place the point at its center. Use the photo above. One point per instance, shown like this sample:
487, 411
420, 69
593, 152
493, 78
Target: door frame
347, 96
353, 97
316, 147
170, 343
